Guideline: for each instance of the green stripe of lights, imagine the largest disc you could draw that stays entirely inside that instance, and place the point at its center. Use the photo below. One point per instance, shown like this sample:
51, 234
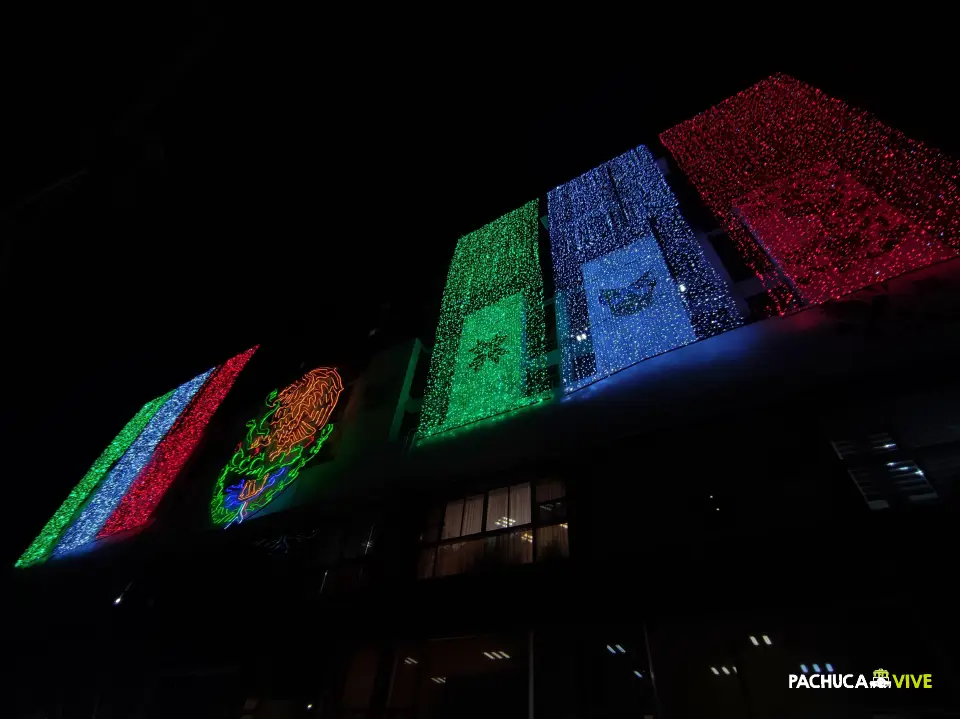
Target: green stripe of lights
41, 547
489, 354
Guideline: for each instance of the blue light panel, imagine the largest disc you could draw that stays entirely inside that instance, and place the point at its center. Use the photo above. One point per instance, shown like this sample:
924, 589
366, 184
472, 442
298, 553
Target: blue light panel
632, 281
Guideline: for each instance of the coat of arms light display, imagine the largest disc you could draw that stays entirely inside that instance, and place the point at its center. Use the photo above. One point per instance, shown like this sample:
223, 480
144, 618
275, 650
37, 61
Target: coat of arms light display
126, 483
278, 444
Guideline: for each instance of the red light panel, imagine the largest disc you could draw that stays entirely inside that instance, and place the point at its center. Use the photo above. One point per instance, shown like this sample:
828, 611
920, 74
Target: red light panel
820, 198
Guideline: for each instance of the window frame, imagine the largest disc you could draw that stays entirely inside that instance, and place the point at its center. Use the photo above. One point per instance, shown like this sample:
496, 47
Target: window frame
485, 533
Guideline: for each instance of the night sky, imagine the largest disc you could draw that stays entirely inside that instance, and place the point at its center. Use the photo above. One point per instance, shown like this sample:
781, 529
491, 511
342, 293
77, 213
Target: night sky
227, 177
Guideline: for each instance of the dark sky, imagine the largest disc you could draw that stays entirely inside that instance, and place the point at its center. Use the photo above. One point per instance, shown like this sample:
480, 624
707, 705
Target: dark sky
229, 176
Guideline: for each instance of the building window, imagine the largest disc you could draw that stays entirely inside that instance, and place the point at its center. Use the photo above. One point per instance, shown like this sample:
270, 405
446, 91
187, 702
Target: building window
500, 527
883, 474
552, 541
474, 676
463, 517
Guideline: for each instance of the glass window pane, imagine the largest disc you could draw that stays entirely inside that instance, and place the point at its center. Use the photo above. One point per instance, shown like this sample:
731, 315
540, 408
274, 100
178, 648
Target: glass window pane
458, 558
425, 565
361, 674
550, 512
453, 519
497, 509
552, 542
473, 515
551, 489
511, 547
520, 504
406, 671
431, 532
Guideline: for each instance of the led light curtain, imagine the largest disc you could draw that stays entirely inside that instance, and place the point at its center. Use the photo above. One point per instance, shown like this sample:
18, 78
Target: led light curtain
290, 432
127, 481
632, 281
821, 199
138, 503
488, 356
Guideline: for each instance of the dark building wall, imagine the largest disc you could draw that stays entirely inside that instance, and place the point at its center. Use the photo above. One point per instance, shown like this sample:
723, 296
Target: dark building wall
706, 498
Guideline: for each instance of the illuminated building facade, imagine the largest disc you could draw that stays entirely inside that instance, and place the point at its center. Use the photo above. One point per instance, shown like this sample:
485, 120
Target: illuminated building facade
616, 496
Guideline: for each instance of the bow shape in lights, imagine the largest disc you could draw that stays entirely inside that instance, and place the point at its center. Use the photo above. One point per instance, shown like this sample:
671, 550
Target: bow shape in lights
277, 446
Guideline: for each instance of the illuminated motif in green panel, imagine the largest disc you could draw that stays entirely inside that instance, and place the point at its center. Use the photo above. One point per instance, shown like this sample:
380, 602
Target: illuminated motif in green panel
41, 547
489, 354
488, 377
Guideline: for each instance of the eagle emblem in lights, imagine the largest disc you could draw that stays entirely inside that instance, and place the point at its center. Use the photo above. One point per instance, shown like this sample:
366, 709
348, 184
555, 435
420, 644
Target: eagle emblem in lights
631, 299
289, 434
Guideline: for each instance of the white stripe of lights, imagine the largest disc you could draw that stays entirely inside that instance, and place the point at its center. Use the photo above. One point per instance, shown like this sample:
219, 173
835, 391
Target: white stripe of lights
410, 660
496, 655
439, 680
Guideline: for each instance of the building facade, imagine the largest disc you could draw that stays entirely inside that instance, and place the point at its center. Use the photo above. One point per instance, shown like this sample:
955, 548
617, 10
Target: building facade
646, 468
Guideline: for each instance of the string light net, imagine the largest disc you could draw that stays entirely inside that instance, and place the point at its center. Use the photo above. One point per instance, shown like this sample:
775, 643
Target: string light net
104, 501
278, 444
489, 354
168, 459
43, 545
821, 199
632, 281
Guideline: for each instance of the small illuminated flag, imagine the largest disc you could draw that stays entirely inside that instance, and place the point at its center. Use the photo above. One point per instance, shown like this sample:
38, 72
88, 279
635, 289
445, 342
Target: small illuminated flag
124, 485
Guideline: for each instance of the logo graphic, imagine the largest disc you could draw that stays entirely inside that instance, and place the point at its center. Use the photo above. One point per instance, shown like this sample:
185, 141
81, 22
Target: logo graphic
882, 679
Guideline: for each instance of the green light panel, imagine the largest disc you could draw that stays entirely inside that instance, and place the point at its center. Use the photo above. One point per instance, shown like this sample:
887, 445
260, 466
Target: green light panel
489, 352
488, 377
